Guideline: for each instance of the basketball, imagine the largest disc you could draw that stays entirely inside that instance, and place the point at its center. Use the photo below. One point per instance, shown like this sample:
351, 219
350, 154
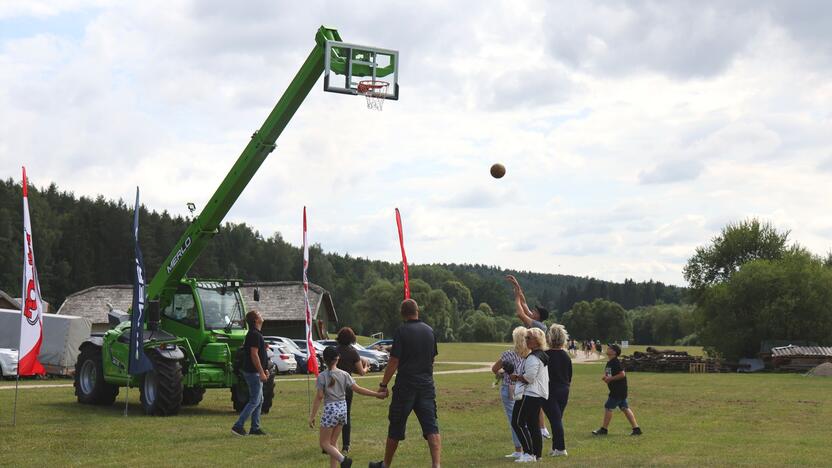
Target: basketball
498, 171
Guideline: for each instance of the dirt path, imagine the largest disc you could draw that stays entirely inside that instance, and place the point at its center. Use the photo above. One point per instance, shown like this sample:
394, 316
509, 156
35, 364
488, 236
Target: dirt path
476, 367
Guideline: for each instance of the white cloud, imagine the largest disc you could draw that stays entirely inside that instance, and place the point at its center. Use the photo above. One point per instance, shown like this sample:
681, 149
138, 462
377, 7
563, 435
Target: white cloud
631, 131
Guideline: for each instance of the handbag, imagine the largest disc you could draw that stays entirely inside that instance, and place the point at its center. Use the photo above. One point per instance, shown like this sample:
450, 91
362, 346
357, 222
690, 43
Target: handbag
518, 389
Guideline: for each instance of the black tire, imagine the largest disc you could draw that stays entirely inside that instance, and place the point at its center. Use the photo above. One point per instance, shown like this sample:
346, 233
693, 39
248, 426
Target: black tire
239, 394
192, 396
161, 388
90, 387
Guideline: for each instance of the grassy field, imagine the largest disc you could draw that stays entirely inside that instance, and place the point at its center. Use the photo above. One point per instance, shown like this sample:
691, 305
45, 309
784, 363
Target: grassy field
689, 420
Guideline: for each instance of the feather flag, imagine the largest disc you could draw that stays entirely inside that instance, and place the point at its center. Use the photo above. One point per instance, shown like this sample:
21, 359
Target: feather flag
138, 362
404, 256
31, 317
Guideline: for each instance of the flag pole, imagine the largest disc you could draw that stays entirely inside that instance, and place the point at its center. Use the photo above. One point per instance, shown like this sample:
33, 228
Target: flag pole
16, 385
127, 397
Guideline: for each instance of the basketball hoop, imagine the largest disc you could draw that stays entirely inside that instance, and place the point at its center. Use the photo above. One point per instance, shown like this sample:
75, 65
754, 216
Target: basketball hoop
375, 92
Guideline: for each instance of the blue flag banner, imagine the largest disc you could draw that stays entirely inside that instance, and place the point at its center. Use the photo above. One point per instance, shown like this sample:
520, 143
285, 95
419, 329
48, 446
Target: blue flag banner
138, 363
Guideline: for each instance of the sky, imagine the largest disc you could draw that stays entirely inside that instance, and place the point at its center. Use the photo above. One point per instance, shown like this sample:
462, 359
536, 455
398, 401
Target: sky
632, 131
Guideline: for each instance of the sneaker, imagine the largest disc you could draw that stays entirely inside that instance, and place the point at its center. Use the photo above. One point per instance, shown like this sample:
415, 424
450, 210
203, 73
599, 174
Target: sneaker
257, 431
378, 464
545, 433
558, 453
347, 463
600, 431
526, 458
238, 431
514, 455
636, 431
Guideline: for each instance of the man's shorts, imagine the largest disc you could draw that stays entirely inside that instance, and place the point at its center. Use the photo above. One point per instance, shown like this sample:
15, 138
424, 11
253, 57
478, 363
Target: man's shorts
335, 413
613, 402
422, 401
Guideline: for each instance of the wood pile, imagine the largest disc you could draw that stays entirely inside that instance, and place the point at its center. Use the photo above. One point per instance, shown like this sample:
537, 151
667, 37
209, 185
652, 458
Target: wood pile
669, 360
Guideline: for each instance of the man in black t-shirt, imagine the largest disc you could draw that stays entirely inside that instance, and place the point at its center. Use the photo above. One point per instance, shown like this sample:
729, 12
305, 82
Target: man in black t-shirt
413, 352
616, 380
255, 363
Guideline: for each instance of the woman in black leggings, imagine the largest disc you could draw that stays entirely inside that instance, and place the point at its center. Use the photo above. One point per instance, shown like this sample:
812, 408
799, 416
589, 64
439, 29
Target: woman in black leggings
560, 377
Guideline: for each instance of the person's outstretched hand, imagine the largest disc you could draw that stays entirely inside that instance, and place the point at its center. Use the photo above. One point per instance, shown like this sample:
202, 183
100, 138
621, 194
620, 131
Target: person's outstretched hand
311, 422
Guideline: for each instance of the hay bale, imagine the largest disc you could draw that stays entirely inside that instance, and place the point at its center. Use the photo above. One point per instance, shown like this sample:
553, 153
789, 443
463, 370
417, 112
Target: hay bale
823, 370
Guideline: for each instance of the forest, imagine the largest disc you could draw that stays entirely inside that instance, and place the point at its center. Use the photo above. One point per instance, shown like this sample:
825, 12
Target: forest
81, 242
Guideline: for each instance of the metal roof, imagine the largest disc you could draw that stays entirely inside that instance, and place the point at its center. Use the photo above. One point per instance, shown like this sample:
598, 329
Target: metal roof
796, 351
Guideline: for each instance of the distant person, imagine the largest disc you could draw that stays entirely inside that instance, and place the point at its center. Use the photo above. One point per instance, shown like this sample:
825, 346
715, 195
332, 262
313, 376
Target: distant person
254, 373
332, 385
524, 418
511, 362
350, 362
592, 347
560, 378
616, 380
412, 355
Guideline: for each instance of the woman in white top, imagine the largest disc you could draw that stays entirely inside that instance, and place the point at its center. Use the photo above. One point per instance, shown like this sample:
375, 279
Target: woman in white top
535, 376
511, 362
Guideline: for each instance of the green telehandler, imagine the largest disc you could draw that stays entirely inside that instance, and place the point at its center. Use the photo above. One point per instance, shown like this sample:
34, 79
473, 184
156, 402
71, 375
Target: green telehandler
195, 327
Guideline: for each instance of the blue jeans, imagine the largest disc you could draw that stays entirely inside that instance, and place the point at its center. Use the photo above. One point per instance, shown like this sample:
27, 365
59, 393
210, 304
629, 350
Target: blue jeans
255, 401
508, 406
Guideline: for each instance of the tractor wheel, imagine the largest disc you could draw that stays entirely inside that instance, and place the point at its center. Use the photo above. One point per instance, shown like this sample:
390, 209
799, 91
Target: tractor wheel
191, 396
239, 395
161, 388
90, 387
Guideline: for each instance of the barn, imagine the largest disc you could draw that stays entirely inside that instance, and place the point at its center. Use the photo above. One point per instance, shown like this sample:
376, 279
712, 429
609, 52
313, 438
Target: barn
281, 304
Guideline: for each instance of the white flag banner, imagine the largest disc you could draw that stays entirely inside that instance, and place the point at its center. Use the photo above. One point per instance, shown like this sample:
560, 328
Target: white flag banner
31, 317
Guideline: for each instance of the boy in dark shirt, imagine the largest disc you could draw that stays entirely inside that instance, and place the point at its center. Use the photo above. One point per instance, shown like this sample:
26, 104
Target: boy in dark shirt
616, 380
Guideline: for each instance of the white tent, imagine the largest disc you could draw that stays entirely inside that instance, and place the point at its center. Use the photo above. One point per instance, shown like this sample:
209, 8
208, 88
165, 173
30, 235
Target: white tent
62, 335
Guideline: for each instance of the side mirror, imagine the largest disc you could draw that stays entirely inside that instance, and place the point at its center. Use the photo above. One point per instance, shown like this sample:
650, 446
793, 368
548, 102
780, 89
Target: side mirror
153, 316
256, 294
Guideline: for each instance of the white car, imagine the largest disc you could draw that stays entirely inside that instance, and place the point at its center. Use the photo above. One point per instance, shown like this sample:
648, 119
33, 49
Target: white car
284, 360
8, 363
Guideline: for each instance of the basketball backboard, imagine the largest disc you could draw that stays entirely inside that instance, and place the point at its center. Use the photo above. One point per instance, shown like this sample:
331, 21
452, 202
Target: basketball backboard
355, 64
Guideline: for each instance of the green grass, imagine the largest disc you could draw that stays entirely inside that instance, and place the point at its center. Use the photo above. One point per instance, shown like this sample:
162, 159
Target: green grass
689, 420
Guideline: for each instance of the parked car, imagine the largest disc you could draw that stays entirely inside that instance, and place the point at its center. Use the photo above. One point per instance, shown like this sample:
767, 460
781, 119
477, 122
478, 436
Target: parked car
319, 351
381, 345
284, 360
376, 359
8, 362
299, 354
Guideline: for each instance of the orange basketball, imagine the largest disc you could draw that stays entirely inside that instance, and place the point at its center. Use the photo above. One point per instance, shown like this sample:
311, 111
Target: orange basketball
498, 171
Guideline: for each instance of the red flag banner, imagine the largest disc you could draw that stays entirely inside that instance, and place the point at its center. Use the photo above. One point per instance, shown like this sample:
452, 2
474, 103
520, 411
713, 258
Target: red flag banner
311, 356
404, 256
31, 317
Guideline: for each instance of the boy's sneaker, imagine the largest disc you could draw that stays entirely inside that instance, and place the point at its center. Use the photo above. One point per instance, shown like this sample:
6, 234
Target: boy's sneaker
257, 431
636, 431
378, 464
602, 431
347, 463
514, 455
238, 431
545, 433
558, 453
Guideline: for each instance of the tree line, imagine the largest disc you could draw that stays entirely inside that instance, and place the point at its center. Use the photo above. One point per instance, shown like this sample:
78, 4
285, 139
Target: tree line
82, 242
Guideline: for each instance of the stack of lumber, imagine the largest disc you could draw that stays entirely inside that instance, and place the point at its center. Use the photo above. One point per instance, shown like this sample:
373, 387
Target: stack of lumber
669, 360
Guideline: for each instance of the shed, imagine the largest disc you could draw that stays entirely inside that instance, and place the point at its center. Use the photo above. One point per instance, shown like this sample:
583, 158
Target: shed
13, 303
8, 302
799, 358
284, 312
281, 304
92, 304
